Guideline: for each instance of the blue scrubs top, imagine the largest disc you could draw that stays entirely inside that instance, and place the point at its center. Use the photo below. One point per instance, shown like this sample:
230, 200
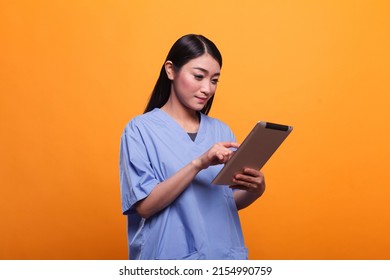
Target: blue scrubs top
202, 223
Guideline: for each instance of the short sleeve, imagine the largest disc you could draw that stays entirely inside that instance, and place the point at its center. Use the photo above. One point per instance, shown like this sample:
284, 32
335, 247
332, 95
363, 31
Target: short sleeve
137, 177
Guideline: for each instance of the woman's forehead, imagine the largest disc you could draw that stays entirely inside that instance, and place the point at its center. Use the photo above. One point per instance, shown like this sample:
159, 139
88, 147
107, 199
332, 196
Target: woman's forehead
205, 62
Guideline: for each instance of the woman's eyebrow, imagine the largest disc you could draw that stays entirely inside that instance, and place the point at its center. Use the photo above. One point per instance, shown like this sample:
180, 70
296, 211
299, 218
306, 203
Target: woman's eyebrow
205, 71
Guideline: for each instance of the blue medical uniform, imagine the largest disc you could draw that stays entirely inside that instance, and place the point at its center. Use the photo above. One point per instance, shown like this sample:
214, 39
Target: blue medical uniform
202, 223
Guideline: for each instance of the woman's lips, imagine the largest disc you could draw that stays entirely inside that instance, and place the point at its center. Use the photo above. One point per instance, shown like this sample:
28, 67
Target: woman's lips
202, 99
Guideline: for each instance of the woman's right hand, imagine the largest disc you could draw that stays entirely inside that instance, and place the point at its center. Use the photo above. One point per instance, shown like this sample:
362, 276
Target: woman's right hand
219, 153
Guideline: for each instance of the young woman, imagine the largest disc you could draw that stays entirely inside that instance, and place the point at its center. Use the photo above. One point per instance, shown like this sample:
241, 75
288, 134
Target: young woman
168, 158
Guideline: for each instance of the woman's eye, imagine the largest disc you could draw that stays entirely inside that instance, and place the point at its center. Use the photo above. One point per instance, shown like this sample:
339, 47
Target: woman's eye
198, 77
214, 81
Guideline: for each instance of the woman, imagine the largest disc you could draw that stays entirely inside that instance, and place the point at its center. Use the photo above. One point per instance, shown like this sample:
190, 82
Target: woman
170, 154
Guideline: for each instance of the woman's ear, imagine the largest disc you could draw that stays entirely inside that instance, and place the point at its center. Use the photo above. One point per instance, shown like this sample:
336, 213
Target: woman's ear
170, 69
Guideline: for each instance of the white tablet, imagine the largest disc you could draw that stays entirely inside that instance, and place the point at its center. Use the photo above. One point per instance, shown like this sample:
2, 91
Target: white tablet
257, 148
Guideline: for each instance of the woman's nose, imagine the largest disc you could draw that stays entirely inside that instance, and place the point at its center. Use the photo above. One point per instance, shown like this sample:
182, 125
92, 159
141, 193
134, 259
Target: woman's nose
206, 87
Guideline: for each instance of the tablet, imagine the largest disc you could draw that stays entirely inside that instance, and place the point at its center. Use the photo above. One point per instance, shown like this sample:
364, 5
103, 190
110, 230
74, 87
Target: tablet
257, 148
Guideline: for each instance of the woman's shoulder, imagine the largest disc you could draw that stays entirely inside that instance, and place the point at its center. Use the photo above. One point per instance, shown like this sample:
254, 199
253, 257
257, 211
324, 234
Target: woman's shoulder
215, 122
143, 120
152, 116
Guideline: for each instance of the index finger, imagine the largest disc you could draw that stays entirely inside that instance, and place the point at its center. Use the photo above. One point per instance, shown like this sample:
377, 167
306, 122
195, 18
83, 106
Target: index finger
251, 171
230, 144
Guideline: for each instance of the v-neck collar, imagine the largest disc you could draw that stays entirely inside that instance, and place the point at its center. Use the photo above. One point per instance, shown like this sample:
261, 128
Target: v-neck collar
177, 127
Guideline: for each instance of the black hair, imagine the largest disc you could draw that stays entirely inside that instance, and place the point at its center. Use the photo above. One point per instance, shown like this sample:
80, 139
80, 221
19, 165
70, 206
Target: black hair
183, 50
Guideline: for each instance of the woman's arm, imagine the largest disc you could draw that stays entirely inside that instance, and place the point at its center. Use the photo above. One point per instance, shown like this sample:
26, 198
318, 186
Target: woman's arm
250, 185
167, 191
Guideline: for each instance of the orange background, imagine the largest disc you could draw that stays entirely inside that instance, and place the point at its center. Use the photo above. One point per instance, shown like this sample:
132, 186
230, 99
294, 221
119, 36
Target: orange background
72, 73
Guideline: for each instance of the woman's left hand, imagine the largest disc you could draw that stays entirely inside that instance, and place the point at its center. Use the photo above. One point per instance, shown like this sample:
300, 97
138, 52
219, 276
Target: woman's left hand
250, 185
250, 180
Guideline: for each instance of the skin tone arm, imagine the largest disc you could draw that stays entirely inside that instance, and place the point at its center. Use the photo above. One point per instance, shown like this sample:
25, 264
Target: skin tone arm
250, 184
166, 192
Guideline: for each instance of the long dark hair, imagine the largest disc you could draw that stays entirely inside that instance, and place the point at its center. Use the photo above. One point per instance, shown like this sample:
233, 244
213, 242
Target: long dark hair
183, 50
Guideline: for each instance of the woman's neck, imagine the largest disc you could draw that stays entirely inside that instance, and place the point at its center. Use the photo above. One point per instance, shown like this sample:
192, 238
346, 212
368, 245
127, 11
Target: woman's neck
188, 119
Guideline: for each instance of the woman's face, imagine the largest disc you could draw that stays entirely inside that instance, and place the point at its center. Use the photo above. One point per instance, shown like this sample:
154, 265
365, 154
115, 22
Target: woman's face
195, 83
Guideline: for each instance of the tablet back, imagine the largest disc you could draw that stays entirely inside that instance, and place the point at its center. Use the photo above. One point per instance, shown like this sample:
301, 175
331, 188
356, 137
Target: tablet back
255, 151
